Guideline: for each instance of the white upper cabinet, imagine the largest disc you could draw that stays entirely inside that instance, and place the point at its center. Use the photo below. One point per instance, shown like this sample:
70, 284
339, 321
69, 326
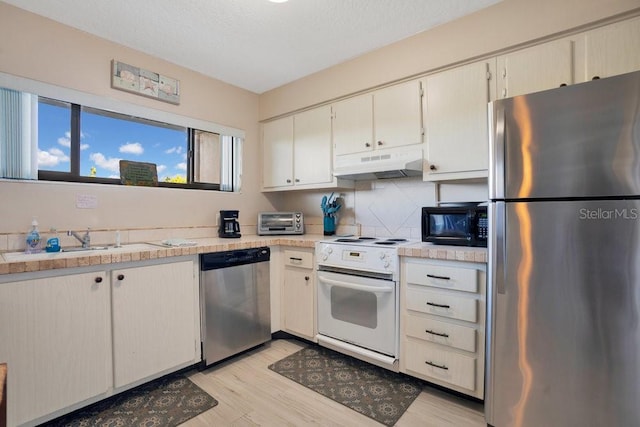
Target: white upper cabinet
312, 147
277, 140
608, 51
541, 67
353, 125
397, 115
297, 152
456, 121
386, 118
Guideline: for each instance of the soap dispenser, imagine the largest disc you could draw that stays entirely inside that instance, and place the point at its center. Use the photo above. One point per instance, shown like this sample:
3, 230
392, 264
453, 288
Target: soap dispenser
53, 242
33, 238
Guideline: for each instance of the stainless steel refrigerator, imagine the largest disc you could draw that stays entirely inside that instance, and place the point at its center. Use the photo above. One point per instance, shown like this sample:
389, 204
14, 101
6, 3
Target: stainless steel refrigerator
563, 338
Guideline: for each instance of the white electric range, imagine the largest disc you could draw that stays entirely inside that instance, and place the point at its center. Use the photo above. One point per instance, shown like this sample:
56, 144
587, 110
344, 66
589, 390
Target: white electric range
358, 297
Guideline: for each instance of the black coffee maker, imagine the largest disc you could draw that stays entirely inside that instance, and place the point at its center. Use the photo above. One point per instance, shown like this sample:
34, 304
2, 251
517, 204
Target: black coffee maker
229, 225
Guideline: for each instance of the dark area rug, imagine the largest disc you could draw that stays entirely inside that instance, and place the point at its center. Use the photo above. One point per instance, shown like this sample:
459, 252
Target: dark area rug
167, 401
378, 393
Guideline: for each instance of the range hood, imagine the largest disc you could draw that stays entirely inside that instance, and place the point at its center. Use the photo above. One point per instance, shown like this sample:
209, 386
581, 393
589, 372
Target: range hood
388, 163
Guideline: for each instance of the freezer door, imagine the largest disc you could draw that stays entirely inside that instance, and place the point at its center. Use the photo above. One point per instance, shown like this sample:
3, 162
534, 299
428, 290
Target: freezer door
577, 141
565, 319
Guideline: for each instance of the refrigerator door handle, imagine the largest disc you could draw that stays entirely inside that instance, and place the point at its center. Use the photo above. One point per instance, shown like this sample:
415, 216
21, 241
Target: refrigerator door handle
496, 149
498, 260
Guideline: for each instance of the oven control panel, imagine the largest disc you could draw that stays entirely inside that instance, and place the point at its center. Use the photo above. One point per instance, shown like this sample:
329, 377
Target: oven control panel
358, 257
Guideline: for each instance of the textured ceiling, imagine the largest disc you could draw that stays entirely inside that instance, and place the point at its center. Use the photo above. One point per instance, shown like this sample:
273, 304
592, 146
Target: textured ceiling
254, 44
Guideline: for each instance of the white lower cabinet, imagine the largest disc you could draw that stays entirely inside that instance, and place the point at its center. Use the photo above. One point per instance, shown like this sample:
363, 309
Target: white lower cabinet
55, 336
70, 340
153, 320
299, 294
442, 324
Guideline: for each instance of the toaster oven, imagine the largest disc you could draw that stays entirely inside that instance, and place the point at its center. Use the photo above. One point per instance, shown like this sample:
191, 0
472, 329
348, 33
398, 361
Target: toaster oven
270, 223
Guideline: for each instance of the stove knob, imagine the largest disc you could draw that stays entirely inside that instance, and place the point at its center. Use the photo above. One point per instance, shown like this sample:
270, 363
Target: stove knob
386, 264
324, 257
383, 255
329, 250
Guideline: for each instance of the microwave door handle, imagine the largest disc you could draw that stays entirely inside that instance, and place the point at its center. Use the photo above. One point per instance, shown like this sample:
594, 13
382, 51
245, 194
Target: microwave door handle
364, 288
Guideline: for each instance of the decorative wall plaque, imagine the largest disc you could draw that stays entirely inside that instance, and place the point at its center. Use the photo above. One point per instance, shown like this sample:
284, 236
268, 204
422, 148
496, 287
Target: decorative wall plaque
144, 82
138, 173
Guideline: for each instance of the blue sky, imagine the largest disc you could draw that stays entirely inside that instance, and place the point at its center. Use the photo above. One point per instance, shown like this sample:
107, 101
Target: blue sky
105, 141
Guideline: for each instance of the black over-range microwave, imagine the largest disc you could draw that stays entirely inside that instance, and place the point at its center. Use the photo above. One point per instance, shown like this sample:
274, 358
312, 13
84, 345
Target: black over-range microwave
455, 225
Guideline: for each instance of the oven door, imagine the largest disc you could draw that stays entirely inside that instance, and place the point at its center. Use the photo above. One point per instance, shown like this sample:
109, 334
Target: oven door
359, 310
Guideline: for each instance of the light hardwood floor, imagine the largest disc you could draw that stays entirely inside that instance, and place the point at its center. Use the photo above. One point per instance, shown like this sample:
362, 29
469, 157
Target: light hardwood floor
250, 394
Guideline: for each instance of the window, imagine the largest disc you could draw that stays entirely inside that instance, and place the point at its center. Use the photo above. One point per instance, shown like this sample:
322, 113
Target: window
85, 144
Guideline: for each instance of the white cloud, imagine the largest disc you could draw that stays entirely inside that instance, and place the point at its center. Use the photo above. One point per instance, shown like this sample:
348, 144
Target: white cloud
181, 166
65, 141
132, 148
161, 168
112, 164
172, 150
52, 157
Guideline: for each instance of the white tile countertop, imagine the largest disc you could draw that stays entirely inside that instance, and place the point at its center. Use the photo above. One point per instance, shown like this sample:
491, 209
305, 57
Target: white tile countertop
12, 262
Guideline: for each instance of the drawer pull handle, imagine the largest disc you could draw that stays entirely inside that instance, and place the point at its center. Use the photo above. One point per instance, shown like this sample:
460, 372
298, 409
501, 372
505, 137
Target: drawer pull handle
433, 304
437, 333
436, 365
295, 259
433, 276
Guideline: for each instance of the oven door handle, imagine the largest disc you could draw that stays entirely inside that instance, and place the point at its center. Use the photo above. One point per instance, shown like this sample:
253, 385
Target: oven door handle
364, 288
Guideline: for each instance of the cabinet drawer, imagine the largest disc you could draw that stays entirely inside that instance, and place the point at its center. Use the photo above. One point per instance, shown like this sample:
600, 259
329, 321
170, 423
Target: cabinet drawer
461, 279
442, 304
453, 368
298, 259
443, 333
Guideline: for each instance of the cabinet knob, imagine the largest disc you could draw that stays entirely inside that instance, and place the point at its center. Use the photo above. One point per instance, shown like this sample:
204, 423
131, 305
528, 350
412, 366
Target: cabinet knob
306, 278
596, 78
288, 181
120, 276
563, 84
297, 179
379, 143
433, 167
367, 144
98, 279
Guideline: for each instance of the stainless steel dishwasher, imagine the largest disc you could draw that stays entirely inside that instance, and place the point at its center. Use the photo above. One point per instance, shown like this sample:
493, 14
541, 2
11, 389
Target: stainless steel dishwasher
234, 302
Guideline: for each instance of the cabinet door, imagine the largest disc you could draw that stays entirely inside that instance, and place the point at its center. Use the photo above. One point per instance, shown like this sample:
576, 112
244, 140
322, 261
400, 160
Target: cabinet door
55, 337
277, 159
299, 302
541, 67
154, 315
397, 115
456, 122
613, 50
353, 125
312, 147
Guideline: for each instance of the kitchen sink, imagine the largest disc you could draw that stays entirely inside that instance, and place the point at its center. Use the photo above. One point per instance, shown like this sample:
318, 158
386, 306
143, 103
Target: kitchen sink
76, 252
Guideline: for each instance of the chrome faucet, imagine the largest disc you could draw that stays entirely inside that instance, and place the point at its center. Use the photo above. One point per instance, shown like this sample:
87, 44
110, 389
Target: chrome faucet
85, 239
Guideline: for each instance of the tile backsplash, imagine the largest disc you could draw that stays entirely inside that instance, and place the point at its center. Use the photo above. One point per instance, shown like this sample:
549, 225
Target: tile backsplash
389, 207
